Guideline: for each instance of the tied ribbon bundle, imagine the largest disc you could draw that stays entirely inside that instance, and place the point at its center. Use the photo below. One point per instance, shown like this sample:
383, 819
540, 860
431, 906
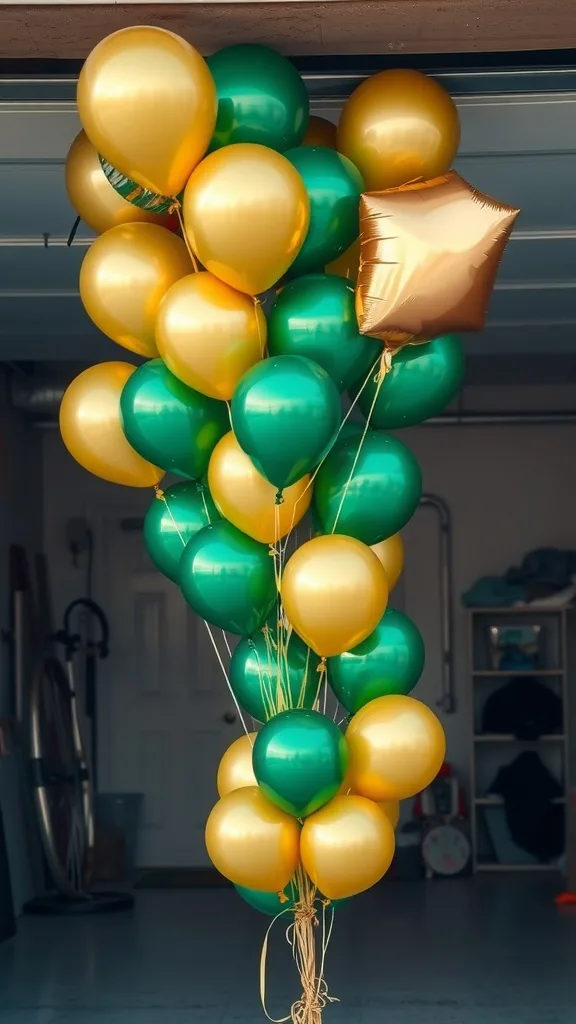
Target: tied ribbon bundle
301, 937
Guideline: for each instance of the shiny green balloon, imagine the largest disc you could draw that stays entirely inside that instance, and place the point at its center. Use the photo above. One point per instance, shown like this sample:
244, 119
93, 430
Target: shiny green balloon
168, 423
389, 661
300, 759
228, 578
261, 680
314, 316
270, 902
285, 415
374, 498
422, 381
261, 98
334, 187
172, 520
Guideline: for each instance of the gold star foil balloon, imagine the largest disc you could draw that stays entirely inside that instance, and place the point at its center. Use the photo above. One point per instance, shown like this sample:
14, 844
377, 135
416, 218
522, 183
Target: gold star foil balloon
429, 254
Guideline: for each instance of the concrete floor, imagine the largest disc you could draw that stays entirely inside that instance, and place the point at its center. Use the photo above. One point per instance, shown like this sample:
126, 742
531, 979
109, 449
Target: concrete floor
490, 951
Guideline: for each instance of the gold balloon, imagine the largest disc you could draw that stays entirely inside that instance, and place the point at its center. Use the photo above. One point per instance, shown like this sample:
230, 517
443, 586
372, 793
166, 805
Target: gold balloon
347, 846
347, 264
147, 102
320, 132
235, 769
390, 553
244, 497
429, 257
252, 842
399, 126
91, 427
209, 334
334, 591
391, 809
125, 275
396, 747
246, 214
94, 199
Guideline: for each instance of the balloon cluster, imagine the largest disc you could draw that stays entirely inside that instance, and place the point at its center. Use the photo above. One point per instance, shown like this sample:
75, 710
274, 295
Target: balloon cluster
211, 184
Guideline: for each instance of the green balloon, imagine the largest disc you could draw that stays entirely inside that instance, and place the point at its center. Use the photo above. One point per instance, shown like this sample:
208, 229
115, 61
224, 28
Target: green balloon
314, 316
171, 521
389, 661
228, 578
334, 187
168, 423
270, 902
300, 759
285, 415
259, 678
374, 498
261, 98
422, 381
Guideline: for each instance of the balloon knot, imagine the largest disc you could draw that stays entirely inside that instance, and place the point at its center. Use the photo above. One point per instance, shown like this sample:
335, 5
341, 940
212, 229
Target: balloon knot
305, 911
321, 666
158, 492
251, 644
279, 500
282, 897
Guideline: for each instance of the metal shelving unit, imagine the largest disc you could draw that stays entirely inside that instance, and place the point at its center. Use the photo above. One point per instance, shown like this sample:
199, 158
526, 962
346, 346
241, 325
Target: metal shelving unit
491, 751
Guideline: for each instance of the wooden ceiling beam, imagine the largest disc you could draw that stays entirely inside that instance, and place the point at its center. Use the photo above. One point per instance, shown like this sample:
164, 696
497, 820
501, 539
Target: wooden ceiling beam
300, 29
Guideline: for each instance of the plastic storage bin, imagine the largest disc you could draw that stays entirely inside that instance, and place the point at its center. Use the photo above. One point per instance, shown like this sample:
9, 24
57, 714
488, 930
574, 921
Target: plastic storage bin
119, 814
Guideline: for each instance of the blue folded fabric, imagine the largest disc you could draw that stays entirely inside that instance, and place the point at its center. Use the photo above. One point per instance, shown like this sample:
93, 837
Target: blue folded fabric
493, 592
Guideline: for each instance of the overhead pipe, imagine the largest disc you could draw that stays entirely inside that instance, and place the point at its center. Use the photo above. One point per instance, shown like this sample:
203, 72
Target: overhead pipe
40, 404
447, 699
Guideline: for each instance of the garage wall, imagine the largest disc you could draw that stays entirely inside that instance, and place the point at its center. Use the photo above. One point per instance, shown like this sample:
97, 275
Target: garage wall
20, 507
510, 490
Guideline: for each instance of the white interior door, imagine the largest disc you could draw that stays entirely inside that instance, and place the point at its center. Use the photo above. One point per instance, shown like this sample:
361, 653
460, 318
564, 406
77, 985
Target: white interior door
165, 715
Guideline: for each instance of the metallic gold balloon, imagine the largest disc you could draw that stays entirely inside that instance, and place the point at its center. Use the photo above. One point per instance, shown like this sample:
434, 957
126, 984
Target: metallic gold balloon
429, 257
334, 591
252, 842
244, 497
320, 132
209, 334
391, 809
399, 126
390, 553
91, 427
94, 199
246, 214
147, 102
235, 769
347, 846
125, 275
396, 746
347, 264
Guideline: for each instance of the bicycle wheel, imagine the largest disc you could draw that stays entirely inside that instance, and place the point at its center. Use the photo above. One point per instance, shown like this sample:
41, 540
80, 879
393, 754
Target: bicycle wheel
61, 781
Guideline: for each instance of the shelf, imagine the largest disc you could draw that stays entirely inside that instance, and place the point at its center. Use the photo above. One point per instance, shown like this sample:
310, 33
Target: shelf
516, 672
516, 867
525, 609
497, 801
489, 737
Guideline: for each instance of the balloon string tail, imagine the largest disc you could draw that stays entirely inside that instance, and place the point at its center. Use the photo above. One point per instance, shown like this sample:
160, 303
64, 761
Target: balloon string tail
302, 938
225, 674
193, 259
162, 497
385, 363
